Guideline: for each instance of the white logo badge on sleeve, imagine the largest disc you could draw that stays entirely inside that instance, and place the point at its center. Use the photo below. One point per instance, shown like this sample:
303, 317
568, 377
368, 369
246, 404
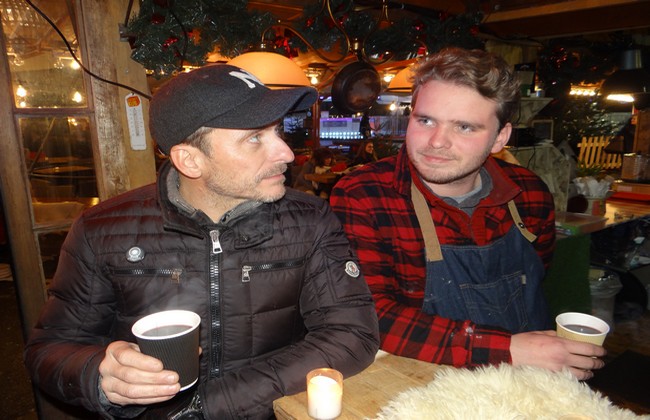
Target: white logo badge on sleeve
352, 269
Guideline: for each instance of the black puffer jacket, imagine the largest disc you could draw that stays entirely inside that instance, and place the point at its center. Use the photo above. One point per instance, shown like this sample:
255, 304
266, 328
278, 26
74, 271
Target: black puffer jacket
274, 284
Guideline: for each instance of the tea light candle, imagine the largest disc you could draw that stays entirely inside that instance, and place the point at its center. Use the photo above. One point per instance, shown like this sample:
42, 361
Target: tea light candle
324, 393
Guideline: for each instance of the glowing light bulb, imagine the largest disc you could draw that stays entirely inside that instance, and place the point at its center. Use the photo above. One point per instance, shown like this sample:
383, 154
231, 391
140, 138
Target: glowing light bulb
388, 77
21, 92
619, 97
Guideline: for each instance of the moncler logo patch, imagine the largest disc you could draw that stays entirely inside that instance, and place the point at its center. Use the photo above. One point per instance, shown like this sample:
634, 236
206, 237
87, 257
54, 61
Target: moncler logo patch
135, 254
352, 269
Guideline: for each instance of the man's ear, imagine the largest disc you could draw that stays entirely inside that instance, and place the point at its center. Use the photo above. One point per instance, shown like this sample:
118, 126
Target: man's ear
502, 138
187, 160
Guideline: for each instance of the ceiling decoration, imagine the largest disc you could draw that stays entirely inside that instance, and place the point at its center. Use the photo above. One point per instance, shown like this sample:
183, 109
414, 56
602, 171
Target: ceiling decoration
166, 35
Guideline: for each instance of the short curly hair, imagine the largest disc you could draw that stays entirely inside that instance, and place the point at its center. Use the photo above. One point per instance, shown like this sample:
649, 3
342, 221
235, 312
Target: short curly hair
487, 73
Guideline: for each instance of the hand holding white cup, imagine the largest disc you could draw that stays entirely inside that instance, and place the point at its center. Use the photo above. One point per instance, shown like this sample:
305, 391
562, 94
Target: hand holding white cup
582, 327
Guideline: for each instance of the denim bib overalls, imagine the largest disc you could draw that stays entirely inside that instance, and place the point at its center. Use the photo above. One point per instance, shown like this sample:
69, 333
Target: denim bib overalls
499, 284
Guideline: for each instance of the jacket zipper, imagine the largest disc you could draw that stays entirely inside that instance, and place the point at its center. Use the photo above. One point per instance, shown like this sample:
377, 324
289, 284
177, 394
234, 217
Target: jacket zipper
173, 273
215, 319
246, 270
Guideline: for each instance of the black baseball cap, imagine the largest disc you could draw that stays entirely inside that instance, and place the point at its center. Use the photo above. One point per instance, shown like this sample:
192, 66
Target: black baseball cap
220, 96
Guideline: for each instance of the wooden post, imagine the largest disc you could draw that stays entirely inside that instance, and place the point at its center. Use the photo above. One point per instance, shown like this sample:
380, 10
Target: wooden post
119, 168
642, 133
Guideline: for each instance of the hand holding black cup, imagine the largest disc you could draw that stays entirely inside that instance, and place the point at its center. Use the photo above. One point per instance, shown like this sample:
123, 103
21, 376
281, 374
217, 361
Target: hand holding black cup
172, 337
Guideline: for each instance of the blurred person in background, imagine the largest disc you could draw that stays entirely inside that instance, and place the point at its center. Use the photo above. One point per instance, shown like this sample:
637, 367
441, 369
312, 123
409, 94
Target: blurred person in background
320, 162
365, 153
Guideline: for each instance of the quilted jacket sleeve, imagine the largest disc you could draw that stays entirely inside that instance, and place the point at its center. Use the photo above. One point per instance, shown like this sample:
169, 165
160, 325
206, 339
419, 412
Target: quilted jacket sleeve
68, 342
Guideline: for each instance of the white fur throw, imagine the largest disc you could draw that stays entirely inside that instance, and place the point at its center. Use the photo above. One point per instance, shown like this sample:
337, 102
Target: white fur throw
504, 393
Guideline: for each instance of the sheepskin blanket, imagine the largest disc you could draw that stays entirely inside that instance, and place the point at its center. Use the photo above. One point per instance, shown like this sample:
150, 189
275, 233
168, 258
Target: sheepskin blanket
505, 393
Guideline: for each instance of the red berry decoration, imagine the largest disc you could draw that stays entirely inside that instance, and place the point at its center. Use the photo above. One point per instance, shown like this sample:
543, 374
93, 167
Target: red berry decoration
157, 19
171, 40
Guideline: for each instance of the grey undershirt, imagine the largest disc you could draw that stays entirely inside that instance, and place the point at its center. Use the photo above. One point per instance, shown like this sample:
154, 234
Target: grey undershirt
468, 202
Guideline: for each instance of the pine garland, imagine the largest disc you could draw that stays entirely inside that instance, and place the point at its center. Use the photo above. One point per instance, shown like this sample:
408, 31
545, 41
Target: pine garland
167, 34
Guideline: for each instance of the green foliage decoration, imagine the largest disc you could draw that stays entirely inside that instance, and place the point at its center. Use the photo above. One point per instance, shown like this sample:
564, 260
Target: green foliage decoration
167, 34
593, 170
576, 118
399, 40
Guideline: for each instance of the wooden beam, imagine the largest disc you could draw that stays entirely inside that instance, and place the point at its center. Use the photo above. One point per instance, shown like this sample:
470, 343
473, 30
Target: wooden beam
574, 17
453, 7
546, 10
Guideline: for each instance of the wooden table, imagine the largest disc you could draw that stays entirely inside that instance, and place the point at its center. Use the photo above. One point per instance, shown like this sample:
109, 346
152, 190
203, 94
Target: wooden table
326, 178
620, 211
367, 392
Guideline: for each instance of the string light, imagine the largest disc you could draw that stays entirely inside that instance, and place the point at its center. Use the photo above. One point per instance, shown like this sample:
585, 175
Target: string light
21, 92
583, 90
18, 61
77, 97
621, 97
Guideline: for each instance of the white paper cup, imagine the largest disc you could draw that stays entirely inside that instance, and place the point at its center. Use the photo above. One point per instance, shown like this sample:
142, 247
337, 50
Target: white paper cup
172, 337
581, 327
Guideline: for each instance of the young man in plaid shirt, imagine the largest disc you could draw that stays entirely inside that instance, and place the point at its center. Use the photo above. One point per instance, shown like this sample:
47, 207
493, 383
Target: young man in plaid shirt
453, 242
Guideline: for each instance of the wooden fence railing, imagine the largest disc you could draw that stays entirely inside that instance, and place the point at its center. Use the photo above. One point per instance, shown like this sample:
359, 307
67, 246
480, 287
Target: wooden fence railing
592, 153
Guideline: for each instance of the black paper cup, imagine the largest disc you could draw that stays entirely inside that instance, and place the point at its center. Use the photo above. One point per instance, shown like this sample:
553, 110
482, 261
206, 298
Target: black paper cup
172, 337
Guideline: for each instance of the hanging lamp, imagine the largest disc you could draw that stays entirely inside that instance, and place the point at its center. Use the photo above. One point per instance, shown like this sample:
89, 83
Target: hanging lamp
273, 69
629, 80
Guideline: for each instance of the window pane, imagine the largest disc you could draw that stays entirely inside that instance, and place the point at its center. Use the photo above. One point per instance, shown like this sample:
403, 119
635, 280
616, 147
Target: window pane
43, 72
50, 246
59, 163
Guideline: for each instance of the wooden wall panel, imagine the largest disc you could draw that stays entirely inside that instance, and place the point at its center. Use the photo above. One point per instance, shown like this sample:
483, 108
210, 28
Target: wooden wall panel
119, 167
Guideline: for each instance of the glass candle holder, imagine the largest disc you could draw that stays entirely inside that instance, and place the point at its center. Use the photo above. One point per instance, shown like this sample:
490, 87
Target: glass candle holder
324, 393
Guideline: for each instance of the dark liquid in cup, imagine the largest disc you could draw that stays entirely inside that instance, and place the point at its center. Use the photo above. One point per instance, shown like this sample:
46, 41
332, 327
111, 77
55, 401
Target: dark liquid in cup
582, 329
165, 330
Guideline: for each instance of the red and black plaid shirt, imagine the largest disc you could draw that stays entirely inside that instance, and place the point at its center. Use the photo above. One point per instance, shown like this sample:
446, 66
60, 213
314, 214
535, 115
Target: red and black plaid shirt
374, 205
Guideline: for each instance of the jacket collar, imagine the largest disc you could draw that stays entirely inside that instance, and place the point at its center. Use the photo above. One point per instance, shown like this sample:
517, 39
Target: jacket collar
250, 220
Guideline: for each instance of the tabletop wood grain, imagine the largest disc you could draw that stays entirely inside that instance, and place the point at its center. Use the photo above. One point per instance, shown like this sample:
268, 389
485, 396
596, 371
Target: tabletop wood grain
367, 392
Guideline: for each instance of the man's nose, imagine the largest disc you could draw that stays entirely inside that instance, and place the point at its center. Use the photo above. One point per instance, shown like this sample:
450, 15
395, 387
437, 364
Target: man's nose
281, 150
439, 137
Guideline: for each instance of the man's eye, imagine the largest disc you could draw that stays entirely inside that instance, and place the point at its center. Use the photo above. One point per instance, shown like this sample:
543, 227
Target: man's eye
465, 128
425, 121
255, 139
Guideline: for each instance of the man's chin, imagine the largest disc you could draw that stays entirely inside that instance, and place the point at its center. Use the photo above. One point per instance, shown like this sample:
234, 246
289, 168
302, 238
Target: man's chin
271, 196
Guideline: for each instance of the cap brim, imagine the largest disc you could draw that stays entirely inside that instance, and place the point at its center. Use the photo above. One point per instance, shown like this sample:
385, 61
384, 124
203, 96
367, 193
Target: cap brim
265, 108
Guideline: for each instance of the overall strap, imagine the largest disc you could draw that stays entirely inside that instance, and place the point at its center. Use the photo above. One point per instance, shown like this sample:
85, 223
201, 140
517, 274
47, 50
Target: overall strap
530, 236
431, 243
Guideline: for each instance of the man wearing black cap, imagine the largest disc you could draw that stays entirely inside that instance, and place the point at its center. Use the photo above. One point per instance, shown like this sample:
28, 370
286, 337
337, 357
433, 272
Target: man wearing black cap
269, 270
